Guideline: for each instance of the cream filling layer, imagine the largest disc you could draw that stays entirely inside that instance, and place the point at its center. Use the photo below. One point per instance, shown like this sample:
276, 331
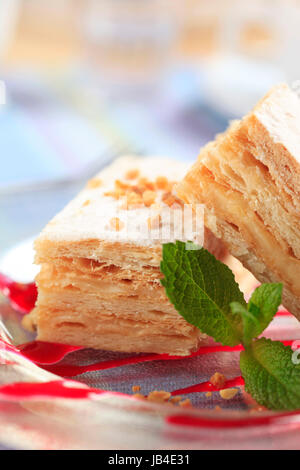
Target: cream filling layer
233, 208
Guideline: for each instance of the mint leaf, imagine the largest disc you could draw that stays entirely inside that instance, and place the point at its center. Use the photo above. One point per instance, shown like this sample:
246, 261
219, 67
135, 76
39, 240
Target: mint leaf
250, 322
264, 304
204, 292
262, 307
201, 288
270, 375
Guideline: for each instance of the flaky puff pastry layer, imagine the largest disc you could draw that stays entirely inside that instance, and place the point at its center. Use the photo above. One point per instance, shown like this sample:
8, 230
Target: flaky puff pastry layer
249, 181
99, 284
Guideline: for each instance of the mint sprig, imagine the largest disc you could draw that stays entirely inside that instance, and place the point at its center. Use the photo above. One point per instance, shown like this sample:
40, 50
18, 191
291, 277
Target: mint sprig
204, 291
270, 375
260, 311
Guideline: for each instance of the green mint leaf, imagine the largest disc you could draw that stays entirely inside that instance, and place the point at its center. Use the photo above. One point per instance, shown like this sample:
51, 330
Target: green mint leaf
264, 304
201, 288
262, 307
250, 321
270, 375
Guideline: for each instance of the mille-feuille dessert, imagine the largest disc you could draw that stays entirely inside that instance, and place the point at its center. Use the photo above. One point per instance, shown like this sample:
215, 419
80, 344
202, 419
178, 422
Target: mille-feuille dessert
99, 283
249, 181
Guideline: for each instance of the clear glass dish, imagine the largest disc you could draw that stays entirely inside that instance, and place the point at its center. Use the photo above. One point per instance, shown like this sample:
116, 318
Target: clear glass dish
115, 419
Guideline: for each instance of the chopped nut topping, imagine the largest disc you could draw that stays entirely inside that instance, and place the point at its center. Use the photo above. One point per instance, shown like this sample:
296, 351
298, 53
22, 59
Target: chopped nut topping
132, 174
134, 200
159, 396
131, 201
146, 184
154, 222
185, 403
86, 203
144, 192
139, 396
218, 380
176, 399
121, 185
228, 393
116, 194
166, 195
138, 189
119, 191
171, 200
161, 182
94, 183
136, 388
116, 224
149, 197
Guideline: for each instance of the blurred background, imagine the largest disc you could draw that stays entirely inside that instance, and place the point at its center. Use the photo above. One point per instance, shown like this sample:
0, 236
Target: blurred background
87, 80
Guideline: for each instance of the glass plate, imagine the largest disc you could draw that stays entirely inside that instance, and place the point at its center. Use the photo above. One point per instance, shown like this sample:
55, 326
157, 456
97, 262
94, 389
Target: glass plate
72, 414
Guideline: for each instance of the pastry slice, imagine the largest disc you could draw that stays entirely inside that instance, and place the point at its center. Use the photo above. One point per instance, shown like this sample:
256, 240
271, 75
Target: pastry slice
99, 283
249, 181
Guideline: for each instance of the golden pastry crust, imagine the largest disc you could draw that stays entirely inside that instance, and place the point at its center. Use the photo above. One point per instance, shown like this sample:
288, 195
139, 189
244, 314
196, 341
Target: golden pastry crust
249, 181
99, 284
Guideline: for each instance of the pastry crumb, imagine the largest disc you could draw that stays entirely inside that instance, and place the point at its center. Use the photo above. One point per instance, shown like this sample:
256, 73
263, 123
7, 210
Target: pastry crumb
86, 203
170, 200
132, 174
121, 185
143, 193
185, 403
176, 399
161, 182
159, 396
149, 197
94, 183
144, 184
134, 200
139, 396
218, 380
228, 393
